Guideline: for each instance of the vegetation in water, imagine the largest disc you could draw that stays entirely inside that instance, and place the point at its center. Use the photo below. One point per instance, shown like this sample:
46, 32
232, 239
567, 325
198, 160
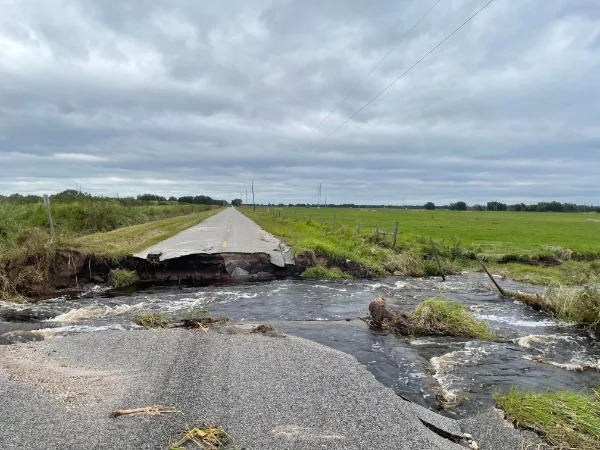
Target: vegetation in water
578, 305
153, 319
325, 273
433, 316
121, 278
444, 317
565, 419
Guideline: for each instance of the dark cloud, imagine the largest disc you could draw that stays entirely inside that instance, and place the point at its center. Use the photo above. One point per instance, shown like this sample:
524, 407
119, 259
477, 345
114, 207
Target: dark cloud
197, 97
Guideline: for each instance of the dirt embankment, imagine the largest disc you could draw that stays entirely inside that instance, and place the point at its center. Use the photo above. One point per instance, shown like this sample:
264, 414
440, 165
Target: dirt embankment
71, 269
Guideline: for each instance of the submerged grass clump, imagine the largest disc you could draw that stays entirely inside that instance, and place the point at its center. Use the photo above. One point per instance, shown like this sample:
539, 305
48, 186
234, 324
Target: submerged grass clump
153, 319
433, 316
443, 317
578, 305
566, 419
121, 278
325, 273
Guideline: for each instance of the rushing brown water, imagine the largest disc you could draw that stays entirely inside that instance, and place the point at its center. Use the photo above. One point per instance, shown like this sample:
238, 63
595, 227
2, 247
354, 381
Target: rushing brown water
540, 353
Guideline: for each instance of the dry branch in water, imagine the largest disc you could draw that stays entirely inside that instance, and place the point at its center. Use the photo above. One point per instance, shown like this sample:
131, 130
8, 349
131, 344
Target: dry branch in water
154, 410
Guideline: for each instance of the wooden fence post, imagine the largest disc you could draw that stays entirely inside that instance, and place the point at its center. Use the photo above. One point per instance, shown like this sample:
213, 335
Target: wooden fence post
502, 291
47, 204
358, 228
395, 235
437, 258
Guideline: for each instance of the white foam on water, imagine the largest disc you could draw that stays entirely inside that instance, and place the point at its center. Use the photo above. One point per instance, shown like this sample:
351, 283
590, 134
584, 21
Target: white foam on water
377, 346
78, 314
446, 364
70, 329
531, 340
516, 322
418, 342
579, 358
576, 364
330, 288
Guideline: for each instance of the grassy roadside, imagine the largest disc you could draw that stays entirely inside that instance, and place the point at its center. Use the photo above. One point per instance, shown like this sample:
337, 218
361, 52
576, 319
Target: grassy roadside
324, 246
126, 240
565, 419
29, 257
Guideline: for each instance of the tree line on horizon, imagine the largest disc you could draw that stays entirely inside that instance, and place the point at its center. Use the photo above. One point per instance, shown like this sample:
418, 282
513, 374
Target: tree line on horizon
72, 195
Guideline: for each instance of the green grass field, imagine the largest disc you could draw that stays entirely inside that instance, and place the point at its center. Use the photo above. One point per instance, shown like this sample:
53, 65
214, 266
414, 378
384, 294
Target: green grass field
488, 232
538, 248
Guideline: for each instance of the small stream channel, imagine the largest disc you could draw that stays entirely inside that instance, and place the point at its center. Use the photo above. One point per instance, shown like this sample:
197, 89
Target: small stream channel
541, 354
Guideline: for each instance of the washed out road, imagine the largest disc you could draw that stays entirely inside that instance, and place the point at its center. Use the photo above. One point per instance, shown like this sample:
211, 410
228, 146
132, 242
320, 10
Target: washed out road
226, 232
270, 393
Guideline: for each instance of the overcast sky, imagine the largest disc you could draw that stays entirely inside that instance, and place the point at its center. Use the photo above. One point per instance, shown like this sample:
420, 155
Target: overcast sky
180, 97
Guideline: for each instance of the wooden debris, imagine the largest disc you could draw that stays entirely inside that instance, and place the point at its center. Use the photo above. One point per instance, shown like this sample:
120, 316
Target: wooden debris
267, 330
202, 322
154, 410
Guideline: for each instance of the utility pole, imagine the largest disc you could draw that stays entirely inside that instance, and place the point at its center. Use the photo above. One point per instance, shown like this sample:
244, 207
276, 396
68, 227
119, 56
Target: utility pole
253, 203
246, 196
319, 196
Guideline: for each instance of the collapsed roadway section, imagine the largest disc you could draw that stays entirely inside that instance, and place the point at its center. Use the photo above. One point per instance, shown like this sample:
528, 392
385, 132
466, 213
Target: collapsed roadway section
226, 246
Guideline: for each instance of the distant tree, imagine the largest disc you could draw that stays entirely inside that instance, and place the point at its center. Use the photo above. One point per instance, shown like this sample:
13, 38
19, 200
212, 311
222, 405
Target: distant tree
151, 197
429, 205
236, 202
172, 198
496, 206
458, 206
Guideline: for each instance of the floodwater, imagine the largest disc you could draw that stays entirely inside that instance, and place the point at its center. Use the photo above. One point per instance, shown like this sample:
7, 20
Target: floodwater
540, 353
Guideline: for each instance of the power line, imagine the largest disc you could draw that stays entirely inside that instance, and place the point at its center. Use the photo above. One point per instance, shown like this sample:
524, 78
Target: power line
362, 108
353, 89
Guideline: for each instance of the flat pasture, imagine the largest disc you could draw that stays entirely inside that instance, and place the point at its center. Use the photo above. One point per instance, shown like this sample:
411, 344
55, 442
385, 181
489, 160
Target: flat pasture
490, 232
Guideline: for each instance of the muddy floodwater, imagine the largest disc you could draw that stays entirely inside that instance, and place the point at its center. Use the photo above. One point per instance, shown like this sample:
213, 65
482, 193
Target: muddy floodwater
540, 353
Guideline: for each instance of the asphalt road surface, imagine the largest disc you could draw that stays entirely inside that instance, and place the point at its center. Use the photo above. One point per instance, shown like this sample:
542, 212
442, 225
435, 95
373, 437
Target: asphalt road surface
267, 392
226, 232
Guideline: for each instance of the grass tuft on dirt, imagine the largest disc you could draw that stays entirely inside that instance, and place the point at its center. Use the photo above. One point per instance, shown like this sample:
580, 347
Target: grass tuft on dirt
565, 419
153, 319
206, 437
122, 278
325, 273
444, 317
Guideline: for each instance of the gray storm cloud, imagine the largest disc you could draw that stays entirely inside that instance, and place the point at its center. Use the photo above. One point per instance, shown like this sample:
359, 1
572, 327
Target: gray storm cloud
200, 97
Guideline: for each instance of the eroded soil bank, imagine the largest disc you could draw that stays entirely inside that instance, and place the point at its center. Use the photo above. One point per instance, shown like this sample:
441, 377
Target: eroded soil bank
74, 269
